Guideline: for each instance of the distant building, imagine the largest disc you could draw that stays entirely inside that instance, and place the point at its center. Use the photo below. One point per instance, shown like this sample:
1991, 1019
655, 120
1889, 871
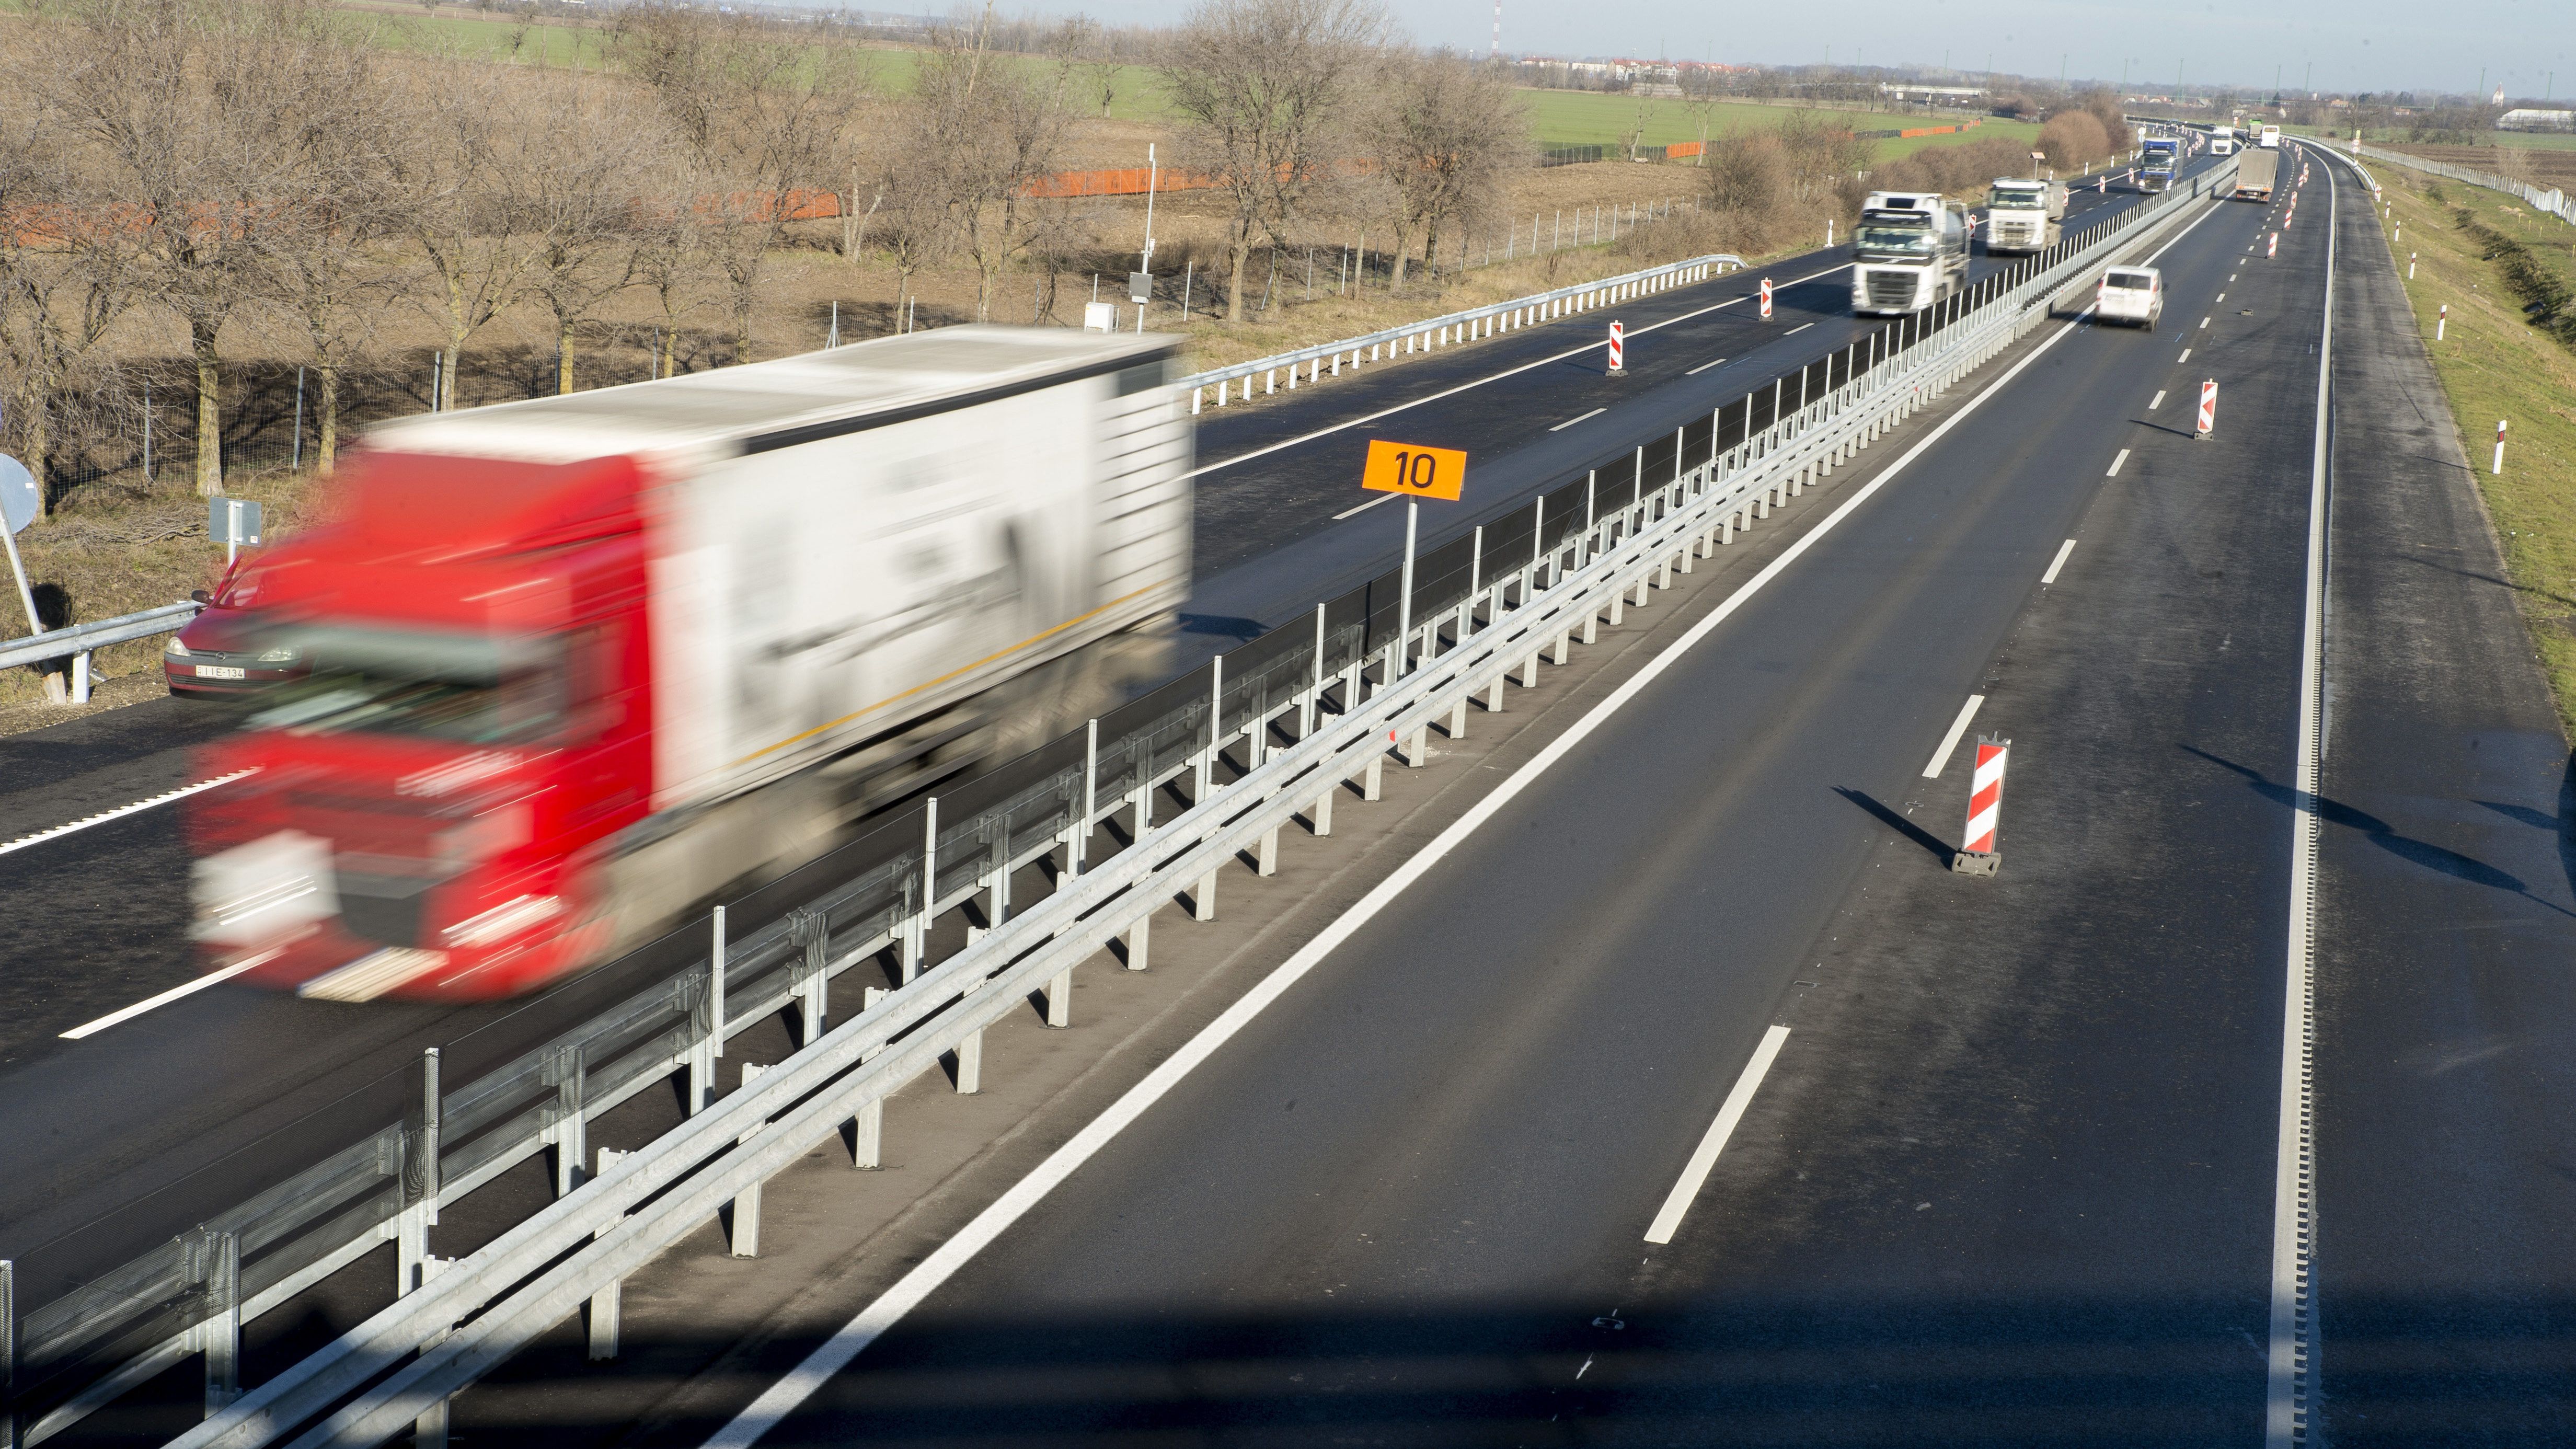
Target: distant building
2532, 120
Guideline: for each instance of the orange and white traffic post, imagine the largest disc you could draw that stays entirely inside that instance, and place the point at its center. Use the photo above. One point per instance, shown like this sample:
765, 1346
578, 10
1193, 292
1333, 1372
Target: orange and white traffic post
2208, 408
2272, 248
1766, 299
1618, 351
1977, 854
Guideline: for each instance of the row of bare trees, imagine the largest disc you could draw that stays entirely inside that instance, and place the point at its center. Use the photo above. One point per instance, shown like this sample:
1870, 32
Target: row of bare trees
207, 176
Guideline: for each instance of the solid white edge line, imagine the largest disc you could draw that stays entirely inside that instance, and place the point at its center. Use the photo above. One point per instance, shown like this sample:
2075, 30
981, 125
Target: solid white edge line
1703, 1158
2291, 1364
1703, 367
1950, 741
1497, 377
121, 811
1570, 422
872, 1322
2057, 563
1363, 508
2116, 464
165, 998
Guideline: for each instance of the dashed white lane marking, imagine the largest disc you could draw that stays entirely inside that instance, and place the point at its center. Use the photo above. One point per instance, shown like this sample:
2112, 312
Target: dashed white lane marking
2157, 401
1327, 432
1703, 367
2204, 321
174, 993
2222, 296
1959, 726
2057, 563
2114, 473
2179, 361
121, 811
1703, 1160
1363, 508
1569, 422
1801, 327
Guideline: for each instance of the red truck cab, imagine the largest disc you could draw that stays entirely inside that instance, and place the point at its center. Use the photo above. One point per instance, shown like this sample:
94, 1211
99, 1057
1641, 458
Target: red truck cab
475, 718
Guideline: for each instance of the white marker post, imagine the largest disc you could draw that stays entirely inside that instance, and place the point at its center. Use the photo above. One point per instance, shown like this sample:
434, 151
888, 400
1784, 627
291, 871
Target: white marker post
2442, 322
2410, 266
2499, 453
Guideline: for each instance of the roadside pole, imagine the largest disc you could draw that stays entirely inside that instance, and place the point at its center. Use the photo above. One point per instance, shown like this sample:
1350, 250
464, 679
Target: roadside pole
1417, 473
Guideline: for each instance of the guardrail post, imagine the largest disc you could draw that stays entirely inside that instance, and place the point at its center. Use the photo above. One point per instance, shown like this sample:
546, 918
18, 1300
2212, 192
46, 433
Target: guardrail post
708, 1015
746, 1203
1077, 835
605, 1305
429, 1429
215, 1265
418, 1185
564, 1071
812, 930
1139, 941
970, 1060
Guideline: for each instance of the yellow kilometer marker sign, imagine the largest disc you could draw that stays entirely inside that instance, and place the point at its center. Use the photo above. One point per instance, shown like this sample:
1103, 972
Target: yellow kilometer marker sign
1415, 472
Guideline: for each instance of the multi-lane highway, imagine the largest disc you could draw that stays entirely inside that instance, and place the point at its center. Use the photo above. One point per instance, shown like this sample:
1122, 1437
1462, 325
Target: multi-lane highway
2010, 1161
140, 1128
2184, 1129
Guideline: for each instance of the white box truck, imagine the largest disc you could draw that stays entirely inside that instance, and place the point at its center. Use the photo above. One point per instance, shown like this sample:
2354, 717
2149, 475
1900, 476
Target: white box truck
581, 662
1910, 250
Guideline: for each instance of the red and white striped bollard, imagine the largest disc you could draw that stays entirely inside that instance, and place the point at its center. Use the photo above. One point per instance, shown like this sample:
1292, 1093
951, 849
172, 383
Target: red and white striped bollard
2272, 248
1766, 299
1977, 854
1618, 351
2208, 407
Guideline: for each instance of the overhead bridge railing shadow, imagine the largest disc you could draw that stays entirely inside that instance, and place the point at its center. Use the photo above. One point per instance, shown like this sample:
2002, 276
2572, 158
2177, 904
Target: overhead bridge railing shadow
1184, 782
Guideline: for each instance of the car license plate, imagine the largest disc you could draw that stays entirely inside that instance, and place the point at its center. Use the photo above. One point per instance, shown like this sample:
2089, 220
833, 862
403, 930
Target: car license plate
221, 671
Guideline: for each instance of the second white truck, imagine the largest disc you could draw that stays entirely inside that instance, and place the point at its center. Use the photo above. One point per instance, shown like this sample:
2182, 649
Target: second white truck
2023, 216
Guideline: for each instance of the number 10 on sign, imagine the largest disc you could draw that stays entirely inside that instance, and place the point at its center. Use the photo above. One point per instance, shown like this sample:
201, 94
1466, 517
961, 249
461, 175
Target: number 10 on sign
1413, 471
1417, 473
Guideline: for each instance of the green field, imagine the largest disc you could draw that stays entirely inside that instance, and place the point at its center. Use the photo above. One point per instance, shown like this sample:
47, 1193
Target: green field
1594, 118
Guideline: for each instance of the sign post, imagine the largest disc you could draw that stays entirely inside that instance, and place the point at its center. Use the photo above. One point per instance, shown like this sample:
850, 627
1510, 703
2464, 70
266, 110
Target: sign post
1417, 473
18, 500
233, 522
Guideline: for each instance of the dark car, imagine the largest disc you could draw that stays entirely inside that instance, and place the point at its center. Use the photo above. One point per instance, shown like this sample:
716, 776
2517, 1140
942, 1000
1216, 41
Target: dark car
220, 655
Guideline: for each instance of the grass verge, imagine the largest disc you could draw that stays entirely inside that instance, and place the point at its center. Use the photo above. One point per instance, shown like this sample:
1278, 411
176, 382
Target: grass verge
2480, 253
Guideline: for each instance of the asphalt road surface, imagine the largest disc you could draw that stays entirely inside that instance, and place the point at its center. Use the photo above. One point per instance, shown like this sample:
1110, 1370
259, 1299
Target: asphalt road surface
119, 1139
2010, 1174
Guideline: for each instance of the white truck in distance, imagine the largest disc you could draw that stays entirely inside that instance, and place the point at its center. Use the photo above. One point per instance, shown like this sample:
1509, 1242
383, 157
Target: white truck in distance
2023, 216
1910, 250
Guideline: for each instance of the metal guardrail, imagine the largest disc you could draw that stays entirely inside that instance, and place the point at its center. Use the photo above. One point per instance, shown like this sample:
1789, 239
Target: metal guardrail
1326, 358
2555, 202
78, 639
1486, 603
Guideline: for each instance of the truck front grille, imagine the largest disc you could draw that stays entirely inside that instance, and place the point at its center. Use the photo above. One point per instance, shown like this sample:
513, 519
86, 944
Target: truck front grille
1891, 289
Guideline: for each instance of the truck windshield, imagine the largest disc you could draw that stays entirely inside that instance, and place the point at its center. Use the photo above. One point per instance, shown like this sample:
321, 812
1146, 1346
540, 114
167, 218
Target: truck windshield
2016, 198
1900, 238
435, 686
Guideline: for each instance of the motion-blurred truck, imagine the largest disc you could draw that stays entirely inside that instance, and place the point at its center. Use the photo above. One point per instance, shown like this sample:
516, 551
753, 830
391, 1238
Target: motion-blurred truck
2256, 171
581, 663
1910, 250
2023, 216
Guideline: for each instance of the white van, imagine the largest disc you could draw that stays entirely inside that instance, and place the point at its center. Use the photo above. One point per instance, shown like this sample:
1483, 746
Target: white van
2135, 295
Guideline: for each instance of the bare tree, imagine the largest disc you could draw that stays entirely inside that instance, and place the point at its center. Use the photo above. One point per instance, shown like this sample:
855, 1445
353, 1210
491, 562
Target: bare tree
474, 216
1447, 131
209, 116
591, 156
70, 269
756, 107
1261, 87
998, 123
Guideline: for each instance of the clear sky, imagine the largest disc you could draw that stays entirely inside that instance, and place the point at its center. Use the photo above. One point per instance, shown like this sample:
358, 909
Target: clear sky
2353, 45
